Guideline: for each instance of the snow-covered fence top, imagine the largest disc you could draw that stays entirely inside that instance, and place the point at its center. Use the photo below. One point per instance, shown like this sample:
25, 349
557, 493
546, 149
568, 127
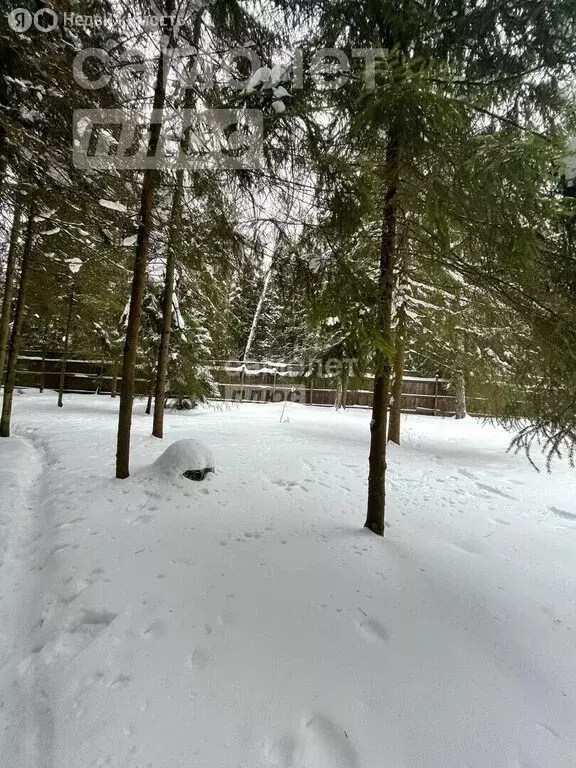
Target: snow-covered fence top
269, 381
248, 380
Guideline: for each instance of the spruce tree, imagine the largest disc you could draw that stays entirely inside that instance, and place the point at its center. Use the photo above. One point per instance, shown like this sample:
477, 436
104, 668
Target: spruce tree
449, 75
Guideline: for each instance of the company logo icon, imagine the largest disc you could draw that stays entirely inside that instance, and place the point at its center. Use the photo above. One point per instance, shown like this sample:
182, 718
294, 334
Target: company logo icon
20, 19
44, 20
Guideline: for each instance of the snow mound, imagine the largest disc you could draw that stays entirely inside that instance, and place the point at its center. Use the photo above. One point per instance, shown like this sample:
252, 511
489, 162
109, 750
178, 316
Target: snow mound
190, 458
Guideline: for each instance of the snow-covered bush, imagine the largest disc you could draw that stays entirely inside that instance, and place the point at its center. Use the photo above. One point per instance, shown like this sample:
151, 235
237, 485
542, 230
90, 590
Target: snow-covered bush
190, 458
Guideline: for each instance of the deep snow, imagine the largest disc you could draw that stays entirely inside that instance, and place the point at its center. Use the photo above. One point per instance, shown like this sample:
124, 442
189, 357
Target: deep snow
249, 621
184, 456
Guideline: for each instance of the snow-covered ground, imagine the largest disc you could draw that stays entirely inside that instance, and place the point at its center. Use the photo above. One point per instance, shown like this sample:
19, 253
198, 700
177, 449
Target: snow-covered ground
248, 621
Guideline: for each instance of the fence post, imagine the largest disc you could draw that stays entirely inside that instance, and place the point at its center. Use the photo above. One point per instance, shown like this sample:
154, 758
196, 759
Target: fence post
242, 383
311, 396
436, 395
274, 384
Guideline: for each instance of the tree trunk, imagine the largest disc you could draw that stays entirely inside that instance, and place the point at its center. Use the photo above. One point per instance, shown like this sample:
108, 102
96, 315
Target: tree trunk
100, 385
378, 423
257, 314
338, 395
3, 163
139, 275
150, 393
9, 288
342, 392
459, 395
164, 347
114, 383
171, 250
17, 327
397, 384
460, 356
66, 346
344, 398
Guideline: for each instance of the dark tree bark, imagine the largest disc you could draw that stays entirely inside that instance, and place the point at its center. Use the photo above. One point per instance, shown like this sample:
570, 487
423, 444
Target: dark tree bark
134, 317
458, 369
460, 395
171, 251
100, 385
397, 384
3, 164
342, 391
9, 288
151, 389
344, 386
139, 275
164, 347
114, 383
17, 326
378, 423
66, 346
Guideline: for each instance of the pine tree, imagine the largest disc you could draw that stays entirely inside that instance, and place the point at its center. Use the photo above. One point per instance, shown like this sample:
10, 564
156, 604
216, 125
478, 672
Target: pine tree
442, 84
149, 182
9, 285
27, 256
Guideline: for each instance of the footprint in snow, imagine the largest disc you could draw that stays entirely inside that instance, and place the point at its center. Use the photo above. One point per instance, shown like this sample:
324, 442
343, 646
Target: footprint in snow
81, 633
197, 660
324, 744
62, 547
521, 762
469, 547
156, 630
120, 682
96, 678
226, 619
288, 484
89, 618
280, 753
550, 730
78, 586
374, 630
496, 491
320, 743
142, 519
485, 486
563, 514
69, 523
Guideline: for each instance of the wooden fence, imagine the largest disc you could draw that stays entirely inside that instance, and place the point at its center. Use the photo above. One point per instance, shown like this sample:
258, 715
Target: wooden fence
254, 381
272, 381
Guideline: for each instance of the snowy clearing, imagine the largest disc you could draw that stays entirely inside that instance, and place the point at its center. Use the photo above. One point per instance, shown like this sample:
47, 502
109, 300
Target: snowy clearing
248, 621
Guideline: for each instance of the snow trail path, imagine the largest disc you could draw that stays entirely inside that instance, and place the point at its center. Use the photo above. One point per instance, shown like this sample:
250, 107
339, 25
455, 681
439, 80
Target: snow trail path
248, 621
25, 723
